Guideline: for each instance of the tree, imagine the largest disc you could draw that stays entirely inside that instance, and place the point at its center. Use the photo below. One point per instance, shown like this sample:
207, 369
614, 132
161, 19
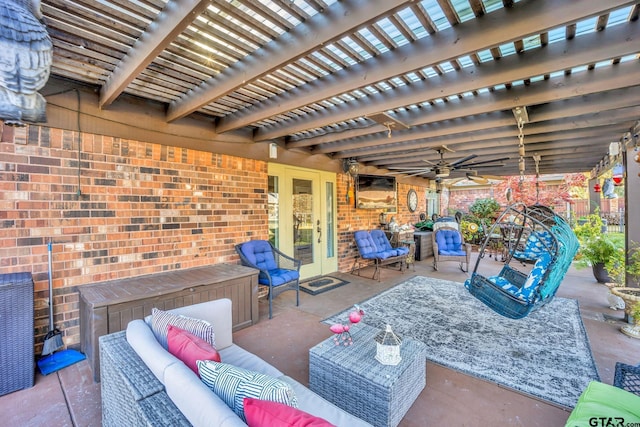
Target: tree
527, 193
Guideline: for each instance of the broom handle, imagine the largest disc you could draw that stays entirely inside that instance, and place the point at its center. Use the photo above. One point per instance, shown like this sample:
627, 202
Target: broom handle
49, 250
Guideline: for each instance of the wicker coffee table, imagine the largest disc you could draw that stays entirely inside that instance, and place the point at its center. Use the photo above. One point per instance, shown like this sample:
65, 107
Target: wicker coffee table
351, 377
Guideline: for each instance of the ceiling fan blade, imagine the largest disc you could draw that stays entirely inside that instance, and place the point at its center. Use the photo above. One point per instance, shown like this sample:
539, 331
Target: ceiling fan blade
478, 179
429, 162
462, 160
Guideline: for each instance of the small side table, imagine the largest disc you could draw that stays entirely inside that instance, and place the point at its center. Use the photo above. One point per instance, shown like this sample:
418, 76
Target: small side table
411, 256
351, 378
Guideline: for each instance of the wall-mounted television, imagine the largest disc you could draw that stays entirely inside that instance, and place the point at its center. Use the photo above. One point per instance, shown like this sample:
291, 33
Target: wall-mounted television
376, 192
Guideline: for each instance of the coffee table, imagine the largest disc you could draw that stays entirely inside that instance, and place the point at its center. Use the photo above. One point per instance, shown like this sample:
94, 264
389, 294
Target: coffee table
351, 378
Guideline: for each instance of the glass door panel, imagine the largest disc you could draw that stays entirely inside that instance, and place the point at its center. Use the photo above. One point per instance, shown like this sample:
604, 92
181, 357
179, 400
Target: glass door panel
303, 220
273, 195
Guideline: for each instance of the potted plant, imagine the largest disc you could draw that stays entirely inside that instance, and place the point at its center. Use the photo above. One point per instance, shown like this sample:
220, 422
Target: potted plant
633, 330
598, 250
630, 295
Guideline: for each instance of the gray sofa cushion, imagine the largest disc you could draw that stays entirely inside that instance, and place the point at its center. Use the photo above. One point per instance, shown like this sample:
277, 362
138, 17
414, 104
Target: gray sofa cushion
194, 399
145, 344
240, 357
313, 404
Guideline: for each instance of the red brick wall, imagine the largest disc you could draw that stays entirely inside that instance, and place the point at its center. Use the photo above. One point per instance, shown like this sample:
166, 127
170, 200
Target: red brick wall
136, 208
141, 208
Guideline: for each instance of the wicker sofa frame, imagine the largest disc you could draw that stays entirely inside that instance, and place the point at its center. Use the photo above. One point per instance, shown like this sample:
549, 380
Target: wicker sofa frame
131, 394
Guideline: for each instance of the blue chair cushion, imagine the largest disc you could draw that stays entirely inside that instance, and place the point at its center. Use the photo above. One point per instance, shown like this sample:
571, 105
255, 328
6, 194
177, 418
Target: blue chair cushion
366, 246
380, 240
539, 242
402, 250
384, 246
260, 254
452, 253
528, 290
280, 276
535, 276
449, 242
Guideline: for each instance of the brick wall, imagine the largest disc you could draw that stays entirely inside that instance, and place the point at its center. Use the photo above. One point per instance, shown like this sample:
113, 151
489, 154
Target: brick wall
131, 208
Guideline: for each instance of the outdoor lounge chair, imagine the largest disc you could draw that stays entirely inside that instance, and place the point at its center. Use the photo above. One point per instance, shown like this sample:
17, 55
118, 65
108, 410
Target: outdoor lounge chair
278, 271
374, 247
513, 293
449, 245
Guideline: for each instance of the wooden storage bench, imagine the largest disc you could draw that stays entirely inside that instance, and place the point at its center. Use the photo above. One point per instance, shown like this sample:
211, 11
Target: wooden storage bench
108, 307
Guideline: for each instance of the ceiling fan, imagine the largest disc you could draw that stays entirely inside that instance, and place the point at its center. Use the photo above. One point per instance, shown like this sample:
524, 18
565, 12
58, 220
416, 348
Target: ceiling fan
443, 168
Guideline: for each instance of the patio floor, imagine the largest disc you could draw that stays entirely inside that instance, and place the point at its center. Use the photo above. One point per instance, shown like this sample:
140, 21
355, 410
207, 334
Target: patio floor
71, 398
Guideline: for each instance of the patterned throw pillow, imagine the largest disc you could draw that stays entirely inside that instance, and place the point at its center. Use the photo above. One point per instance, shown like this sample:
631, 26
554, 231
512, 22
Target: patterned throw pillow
160, 321
232, 384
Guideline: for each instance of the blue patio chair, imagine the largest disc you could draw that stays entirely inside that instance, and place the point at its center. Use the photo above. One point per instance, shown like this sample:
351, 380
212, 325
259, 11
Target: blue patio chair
449, 245
278, 271
376, 250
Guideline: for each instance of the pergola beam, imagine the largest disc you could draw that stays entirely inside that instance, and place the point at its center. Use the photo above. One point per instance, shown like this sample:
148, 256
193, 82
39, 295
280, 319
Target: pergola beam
467, 130
340, 18
175, 17
618, 118
500, 147
615, 42
524, 20
576, 106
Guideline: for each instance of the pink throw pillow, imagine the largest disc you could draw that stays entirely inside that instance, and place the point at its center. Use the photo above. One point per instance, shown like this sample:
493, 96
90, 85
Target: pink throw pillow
189, 348
265, 413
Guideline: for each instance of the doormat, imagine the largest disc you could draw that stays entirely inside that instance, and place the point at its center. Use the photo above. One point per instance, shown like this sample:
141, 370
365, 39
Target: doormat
321, 284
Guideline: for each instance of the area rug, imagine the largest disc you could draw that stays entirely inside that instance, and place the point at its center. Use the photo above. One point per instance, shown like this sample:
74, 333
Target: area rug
321, 284
545, 355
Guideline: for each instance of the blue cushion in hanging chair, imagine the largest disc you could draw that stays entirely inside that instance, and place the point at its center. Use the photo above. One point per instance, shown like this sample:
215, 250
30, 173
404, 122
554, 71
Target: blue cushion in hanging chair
526, 292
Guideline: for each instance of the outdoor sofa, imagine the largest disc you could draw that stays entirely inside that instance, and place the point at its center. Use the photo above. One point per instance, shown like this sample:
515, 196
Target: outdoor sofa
142, 384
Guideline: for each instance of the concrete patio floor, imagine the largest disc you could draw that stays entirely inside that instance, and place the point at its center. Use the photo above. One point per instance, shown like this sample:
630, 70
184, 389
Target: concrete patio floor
71, 398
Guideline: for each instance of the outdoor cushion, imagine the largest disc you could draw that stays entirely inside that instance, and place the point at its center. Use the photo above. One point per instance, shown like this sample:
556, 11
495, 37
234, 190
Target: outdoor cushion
160, 321
260, 254
603, 401
384, 246
528, 290
264, 413
538, 242
190, 348
452, 253
280, 276
449, 242
366, 246
232, 384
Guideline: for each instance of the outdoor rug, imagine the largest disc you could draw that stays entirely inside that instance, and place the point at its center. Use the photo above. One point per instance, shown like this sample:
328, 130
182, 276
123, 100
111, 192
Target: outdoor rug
545, 355
321, 284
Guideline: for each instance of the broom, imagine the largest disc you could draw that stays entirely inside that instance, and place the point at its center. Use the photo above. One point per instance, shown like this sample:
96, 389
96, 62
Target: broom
53, 339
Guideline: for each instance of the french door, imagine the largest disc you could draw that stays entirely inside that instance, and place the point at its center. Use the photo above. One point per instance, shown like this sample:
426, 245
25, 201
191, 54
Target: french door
302, 217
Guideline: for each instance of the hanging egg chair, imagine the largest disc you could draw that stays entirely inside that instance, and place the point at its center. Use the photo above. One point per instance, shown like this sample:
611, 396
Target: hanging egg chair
530, 235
